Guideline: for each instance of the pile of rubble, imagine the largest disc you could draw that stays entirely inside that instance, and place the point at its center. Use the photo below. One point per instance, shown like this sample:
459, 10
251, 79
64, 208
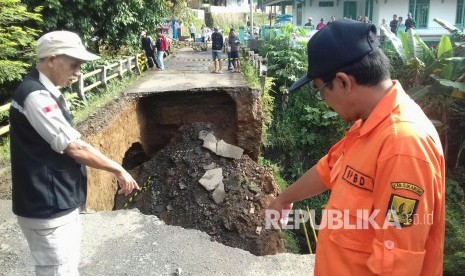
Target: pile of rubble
204, 183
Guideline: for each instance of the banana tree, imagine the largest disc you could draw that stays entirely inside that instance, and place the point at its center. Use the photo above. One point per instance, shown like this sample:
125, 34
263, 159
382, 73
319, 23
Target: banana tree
437, 75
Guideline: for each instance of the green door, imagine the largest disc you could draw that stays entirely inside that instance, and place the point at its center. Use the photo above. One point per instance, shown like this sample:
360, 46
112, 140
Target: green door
369, 9
350, 9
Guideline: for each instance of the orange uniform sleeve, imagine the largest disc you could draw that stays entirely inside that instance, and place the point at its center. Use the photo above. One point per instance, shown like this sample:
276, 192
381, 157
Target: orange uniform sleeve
409, 194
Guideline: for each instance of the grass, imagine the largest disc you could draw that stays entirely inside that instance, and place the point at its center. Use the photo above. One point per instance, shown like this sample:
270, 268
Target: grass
4, 151
101, 97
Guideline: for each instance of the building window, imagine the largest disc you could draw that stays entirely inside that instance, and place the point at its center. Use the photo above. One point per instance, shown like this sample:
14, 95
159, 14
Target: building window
420, 11
326, 4
459, 17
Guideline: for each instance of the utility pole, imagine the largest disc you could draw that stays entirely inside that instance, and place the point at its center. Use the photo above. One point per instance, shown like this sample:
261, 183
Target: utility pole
251, 18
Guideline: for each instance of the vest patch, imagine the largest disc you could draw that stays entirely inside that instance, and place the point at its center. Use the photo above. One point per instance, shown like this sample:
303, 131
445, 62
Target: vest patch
407, 186
401, 210
52, 107
357, 178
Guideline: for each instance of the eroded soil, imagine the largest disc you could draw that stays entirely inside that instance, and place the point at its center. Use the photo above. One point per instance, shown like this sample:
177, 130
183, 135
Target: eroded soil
171, 190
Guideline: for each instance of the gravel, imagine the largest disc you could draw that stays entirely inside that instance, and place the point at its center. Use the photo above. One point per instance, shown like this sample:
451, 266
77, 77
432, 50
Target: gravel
126, 242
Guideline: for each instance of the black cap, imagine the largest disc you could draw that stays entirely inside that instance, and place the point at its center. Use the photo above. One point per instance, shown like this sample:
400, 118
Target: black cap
339, 44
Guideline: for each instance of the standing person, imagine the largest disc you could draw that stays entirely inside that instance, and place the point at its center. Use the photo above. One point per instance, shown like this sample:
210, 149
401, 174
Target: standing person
321, 25
235, 43
228, 52
162, 47
332, 19
148, 46
382, 35
48, 158
175, 29
393, 24
387, 172
400, 24
217, 46
410, 22
192, 31
310, 23
204, 33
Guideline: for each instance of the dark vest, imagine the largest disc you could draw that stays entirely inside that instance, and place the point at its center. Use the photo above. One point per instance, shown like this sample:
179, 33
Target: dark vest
46, 184
217, 41
147, 44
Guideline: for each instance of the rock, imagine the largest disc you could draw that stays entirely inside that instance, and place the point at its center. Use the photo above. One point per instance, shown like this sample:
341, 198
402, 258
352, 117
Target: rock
212, 178
178, 271
228, 150
219, 194
209, 142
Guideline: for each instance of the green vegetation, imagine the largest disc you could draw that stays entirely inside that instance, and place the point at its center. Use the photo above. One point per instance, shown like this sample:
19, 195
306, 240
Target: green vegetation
16, 42
290, 242
4, 151
263, 84
117, 25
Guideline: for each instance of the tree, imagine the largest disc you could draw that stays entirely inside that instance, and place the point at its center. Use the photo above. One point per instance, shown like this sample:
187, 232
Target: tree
113, 24
16, 39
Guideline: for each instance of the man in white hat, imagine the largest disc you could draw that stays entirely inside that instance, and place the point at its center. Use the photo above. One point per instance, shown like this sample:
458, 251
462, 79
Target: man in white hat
48, 158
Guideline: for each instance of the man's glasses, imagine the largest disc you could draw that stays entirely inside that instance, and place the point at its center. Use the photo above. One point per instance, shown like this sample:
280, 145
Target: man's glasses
319, 94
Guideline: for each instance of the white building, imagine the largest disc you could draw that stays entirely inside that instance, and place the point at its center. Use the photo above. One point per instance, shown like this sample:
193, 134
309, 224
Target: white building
424, 11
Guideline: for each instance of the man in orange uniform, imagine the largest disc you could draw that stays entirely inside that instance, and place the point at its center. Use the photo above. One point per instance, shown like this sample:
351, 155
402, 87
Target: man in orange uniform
386, 176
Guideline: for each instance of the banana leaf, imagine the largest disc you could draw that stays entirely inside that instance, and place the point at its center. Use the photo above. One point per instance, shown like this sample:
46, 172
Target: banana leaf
405, 45
396, 43
415, 48
445, 50
460, 36
449, 88
445, 47
429, 53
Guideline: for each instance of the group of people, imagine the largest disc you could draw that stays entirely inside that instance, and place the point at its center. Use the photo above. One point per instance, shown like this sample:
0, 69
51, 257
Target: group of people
205, 33
154, 49
397, 23
386, 175
230, 45
320, 25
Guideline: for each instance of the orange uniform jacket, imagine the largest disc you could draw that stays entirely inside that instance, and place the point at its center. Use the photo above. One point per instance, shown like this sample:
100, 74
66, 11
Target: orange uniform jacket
391, 167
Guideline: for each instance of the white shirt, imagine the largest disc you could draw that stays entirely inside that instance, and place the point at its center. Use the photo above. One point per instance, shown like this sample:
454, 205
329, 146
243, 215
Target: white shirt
43, 113
192, 29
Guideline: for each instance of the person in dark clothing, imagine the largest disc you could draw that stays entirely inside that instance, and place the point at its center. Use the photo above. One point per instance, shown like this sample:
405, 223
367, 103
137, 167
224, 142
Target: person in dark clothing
217, 47
310, 23
410, 22
49, 159
148, 46
393, 24
235, 43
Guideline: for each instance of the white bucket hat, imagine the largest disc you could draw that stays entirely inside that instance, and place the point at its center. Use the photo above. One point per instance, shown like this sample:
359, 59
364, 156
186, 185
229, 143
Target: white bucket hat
63, 43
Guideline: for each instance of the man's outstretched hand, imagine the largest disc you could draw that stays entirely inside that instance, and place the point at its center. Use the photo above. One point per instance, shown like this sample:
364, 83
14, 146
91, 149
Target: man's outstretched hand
126, 183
